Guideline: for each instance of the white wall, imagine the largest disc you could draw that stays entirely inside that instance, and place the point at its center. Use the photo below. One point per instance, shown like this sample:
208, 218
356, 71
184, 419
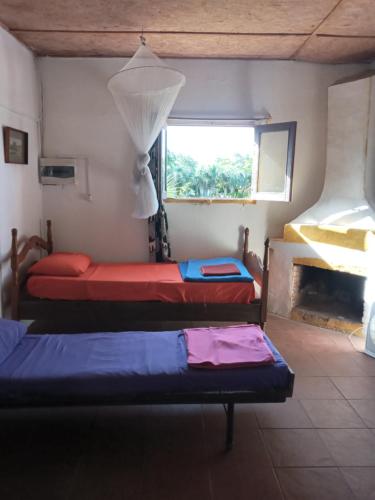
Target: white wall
20, 194
81, 119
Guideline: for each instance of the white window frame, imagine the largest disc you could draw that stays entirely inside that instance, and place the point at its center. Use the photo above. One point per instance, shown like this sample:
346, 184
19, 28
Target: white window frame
216, 122
286, 195
260, 126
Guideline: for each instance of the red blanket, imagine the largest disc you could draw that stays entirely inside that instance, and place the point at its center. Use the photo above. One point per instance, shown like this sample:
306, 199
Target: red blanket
138, 282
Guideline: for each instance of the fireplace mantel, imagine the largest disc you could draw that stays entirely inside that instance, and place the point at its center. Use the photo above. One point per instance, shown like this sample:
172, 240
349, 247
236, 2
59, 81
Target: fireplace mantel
339, 236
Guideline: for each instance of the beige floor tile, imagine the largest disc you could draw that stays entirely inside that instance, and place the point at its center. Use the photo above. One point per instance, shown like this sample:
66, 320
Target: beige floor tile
304, 364
332, 413
340, 364
245, 417
282, 415
343, 342
248, 443
109, 478
350, 447
315, 388
296, 448
365, 409
235, 480
361, 481
356, 387
167, 476
366, 363
313, 484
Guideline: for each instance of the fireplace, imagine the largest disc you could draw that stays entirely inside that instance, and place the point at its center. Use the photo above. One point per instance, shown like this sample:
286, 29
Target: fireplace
322, 270
327, 298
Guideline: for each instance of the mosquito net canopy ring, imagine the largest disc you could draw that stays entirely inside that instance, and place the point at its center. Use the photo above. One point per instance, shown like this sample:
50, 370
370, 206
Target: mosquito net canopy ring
144, 91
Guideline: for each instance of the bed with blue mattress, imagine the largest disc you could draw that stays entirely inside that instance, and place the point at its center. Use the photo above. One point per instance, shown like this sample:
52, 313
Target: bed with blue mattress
125, 368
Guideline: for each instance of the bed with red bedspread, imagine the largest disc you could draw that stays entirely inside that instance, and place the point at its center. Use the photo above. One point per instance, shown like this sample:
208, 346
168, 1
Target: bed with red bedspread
131, 292
137, 282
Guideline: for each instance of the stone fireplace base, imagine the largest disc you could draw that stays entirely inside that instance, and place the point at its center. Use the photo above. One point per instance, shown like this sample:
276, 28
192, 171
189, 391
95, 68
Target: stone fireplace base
327, 298
287, 258
327, 320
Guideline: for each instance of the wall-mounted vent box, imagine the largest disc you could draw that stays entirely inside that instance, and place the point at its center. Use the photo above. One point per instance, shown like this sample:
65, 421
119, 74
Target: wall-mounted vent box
57, 171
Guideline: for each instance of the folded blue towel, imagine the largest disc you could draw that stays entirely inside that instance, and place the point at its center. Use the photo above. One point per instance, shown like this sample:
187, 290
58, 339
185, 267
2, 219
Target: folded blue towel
191, 270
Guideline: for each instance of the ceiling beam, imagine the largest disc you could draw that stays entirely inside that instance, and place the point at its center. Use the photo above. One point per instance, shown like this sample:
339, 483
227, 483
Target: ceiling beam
305, 42
329, 35
150, 32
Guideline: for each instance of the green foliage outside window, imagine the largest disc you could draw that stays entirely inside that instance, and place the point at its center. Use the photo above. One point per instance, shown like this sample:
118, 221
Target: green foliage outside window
224, 178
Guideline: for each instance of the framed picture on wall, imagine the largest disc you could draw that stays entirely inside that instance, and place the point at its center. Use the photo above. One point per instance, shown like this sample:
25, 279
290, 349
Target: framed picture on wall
15, 146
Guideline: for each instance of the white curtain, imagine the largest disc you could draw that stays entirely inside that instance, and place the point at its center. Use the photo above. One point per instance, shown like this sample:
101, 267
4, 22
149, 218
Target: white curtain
144, 92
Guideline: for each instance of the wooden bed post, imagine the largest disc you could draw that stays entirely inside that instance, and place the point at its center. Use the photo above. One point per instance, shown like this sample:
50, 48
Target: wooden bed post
17, 259
264, 293
49, 237
245, 246
15, 276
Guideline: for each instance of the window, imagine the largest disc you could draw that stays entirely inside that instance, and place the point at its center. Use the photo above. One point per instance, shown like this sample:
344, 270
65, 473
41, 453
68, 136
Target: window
225, 160
274, 158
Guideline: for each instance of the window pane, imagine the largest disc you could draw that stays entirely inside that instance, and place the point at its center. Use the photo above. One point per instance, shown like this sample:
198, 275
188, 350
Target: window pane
209, 161
273, 153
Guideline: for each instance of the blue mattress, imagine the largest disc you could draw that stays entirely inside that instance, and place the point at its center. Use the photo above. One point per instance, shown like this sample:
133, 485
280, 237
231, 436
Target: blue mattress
191, 270
115, 365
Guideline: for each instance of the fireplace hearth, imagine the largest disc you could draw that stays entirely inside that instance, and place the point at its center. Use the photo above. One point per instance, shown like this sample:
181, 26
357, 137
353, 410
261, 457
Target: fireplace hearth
327, 297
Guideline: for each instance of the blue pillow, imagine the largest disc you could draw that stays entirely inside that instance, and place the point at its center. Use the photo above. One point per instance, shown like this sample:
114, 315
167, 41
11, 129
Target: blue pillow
11, 333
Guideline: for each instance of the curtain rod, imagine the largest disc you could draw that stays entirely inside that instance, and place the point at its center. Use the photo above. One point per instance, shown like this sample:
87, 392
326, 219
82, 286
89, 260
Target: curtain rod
218, 120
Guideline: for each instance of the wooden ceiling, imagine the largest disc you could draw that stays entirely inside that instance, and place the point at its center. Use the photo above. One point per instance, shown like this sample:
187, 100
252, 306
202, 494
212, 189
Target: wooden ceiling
328, 31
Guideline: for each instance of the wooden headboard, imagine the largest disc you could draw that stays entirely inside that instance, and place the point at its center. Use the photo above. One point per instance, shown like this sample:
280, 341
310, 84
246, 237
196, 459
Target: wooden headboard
18, 257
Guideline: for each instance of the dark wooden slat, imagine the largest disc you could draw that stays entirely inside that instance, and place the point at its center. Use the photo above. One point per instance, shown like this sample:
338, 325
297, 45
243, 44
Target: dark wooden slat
33, 308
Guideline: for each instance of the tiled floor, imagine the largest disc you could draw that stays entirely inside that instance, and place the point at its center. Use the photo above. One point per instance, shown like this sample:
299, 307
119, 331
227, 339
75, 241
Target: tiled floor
319, 445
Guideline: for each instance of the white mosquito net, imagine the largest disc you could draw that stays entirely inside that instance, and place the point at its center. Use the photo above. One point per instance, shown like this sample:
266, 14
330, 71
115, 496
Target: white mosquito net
144, 92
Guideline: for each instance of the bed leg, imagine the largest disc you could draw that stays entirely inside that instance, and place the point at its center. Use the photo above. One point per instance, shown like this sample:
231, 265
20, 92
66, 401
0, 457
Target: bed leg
229, 409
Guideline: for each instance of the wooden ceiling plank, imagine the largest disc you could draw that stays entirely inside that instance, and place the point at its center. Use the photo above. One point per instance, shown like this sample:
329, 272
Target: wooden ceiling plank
338, 49
353, 17
363, 37
145, 33
259, 29
124, 45
259, 16
330, 13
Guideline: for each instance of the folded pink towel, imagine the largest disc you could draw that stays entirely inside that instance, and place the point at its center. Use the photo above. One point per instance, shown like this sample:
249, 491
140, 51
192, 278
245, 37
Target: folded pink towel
227, 347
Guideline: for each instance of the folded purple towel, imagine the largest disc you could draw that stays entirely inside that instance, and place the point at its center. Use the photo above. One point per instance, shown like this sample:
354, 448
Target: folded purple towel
227, 347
